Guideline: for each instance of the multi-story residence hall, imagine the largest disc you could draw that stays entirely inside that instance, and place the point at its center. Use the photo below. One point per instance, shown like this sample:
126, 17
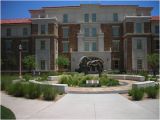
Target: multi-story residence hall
120, 35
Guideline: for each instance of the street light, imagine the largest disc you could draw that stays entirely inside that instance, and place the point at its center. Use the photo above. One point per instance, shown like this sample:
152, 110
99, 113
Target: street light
20, 61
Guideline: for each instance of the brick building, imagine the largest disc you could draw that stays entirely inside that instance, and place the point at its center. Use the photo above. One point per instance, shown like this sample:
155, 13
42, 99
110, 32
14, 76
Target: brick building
121, 35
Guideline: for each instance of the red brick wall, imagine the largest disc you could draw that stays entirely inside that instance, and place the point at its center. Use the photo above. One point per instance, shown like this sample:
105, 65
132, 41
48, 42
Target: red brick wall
129, 27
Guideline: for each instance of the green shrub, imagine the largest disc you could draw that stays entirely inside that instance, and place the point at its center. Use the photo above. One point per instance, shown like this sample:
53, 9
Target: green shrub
137, 93
66, 79
130, 92
27, 77
105, 81
145, 74
152, 91
33, 91
15, 89
49, 93
153, 78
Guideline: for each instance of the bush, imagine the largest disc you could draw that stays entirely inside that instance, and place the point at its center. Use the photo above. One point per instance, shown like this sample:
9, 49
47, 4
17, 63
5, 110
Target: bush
137, 93
49, 93
105, 81
145, 74
15, 89
33, 91
152, 91
130, 92
66, 79
153, 78
27, 77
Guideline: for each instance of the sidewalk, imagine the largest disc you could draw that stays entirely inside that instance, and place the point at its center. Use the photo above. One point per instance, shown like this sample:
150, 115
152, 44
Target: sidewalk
81, 106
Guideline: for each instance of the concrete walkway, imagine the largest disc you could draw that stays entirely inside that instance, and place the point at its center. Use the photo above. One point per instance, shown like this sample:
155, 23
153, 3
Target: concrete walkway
81, 106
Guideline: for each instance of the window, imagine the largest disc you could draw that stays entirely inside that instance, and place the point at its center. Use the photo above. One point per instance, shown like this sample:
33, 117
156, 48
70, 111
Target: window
115, 45
86, 46
25, 31
116, 64
8, 31
157, 44
138, 28
115, 31
94, 46
139, 44
86, 32
42, 29
139, 64
157, 29
24, 45
65, 46
86, 17
93, 17
8, 45
94, 32
115, 17
65, 18
43, 45
42, 64
65, 32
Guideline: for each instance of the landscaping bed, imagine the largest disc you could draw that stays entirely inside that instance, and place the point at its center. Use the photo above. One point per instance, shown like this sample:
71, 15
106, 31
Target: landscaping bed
7, 113
22, 88
80, 80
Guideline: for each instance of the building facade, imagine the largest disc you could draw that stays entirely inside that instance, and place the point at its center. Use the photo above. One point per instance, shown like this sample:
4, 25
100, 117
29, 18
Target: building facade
121, 35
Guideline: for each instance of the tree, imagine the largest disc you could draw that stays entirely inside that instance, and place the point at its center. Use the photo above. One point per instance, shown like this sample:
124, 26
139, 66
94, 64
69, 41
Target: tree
153, 61
62, 61
29, 62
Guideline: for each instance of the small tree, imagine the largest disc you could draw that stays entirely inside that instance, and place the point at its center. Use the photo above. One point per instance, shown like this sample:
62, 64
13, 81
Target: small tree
153, 61
29, 62
62, 61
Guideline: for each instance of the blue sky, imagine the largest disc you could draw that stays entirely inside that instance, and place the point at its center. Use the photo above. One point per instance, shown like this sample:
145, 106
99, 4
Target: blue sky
19, 9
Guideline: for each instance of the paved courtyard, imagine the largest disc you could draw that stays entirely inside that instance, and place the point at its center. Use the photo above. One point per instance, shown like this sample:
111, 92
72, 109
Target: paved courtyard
82, 106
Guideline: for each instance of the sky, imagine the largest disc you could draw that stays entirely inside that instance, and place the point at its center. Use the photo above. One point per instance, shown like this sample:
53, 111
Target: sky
19, 9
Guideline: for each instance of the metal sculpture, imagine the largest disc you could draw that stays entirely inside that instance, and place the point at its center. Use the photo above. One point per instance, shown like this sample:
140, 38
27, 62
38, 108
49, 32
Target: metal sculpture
90, 63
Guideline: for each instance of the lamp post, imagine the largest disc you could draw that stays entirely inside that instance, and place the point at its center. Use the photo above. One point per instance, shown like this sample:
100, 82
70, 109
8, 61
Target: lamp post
20, 61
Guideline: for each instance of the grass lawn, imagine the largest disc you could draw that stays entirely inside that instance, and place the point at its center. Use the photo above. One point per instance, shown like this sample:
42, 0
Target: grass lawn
7, 113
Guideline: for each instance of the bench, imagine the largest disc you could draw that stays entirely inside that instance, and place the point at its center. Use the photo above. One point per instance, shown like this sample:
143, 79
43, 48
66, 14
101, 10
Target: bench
143, 84
92, 82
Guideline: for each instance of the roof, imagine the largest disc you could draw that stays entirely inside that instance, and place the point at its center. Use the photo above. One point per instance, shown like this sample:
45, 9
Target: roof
16, 21
155, 18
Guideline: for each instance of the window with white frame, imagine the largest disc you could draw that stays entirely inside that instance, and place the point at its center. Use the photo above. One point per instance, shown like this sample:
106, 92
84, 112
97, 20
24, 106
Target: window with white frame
94, 32
65, 18
139, 64
43, 27
86, 32
24, 45
86, 46
94, 46
115, 31
115, 45
65, 32
43, 64
93, 17
65, 46
42, 45
138, 27
86, 17
139, 44
25, 31
8, 45
115, 17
